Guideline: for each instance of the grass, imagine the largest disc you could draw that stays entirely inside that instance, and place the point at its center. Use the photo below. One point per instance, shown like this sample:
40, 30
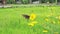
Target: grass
12, 22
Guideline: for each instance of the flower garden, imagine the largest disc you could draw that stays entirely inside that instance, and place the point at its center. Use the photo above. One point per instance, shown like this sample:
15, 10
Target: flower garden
43, 20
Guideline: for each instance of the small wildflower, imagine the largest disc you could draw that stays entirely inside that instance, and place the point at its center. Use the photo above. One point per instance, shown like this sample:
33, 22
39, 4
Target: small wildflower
32, 16
56, 17
59, 17
32, 23
45, 31
46, 19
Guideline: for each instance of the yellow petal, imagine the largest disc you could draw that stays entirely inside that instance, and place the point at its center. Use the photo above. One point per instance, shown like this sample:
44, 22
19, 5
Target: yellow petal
32, 16
31, 24
34, 22
46, 19
59, 17
45, 31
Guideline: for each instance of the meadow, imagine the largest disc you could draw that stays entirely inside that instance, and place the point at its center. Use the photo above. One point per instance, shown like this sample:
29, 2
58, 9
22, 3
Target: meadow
47, 20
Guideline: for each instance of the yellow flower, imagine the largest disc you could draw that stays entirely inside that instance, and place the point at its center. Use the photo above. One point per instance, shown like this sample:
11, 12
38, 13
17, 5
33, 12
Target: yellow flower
32, 16
32, 23
47, 19
45, 31
59, 17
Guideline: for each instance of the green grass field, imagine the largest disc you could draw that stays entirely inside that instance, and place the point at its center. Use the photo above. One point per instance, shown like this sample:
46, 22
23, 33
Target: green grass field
12, 21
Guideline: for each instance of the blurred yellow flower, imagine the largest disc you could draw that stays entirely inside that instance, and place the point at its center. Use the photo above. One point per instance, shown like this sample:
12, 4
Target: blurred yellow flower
59, 17
32, 16
45, 31
32, 23
46, 19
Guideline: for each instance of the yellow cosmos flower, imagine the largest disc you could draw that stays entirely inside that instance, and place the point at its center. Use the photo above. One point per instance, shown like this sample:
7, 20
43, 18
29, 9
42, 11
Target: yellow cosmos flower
59, 17
46, 19
32, 23
32, 16
45, 31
